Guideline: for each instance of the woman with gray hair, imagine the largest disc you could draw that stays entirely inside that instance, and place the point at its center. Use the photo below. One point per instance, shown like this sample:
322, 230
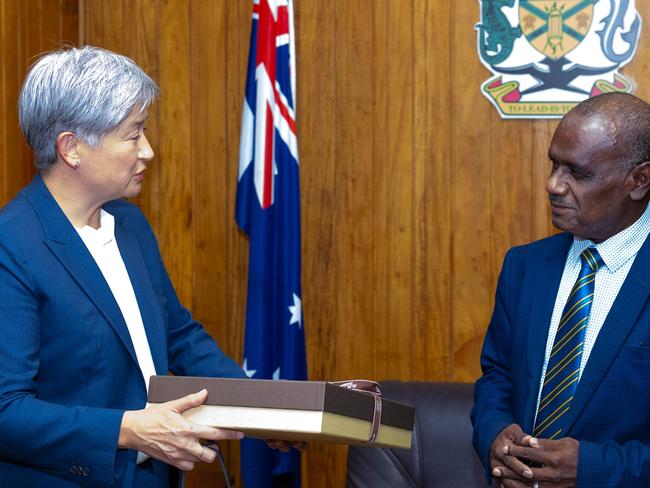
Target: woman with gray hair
87, 310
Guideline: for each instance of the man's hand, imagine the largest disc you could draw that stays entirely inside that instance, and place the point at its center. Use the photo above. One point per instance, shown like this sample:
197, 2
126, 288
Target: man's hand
163, 433
558, 460
507, 470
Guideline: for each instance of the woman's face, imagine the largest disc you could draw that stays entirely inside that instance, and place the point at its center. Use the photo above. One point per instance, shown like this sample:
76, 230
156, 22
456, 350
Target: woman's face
116, 168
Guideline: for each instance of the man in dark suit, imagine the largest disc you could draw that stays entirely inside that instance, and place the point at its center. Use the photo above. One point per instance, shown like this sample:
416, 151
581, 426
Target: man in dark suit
564, 399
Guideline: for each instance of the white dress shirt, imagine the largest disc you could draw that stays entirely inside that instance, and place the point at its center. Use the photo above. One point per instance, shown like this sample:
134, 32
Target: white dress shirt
618, 253
103, 247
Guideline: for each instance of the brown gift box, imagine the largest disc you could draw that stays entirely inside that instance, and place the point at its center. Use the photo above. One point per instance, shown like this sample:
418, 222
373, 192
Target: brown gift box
289, 410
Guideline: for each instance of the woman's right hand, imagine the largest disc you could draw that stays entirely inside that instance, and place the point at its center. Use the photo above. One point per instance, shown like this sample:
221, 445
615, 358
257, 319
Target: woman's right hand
163, 433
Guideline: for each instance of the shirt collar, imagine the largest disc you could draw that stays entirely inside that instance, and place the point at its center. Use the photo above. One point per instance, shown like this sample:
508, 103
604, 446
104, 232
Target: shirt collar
106, 232
619, 248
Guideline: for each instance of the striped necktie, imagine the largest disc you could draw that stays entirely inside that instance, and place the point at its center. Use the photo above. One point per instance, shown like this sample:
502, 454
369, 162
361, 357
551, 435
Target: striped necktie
563, 369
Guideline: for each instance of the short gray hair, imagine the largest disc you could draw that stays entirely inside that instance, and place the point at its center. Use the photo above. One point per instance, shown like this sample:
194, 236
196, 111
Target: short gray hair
87, 91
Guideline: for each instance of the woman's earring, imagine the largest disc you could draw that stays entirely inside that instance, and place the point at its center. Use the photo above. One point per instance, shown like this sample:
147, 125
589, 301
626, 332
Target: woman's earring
75, 165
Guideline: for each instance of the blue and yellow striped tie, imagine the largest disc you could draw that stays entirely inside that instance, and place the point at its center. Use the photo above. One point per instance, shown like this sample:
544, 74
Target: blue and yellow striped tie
563, 370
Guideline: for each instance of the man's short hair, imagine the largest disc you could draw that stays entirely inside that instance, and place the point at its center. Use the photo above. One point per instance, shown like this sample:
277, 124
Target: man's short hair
631, 118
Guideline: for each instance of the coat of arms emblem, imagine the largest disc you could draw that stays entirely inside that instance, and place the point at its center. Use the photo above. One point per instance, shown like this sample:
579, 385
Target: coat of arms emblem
549, 55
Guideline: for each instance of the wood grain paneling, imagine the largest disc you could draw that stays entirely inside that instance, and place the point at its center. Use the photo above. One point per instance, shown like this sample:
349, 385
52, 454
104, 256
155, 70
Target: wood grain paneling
175, 149
432, 116
27, 28
319, 191
354, 188
412, 186
472, 196
392, 189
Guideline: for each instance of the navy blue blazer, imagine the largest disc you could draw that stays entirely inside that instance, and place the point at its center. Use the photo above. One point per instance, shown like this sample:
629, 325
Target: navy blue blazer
610, 412
68, 369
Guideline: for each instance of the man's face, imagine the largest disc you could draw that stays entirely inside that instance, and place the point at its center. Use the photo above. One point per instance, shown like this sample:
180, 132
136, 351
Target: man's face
588, 187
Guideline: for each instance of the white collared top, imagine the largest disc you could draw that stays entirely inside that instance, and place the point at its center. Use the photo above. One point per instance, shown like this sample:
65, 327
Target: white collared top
103, 247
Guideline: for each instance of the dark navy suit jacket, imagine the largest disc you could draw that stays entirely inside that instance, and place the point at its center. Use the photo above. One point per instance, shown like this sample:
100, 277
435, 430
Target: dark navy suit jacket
67, 365
610, 413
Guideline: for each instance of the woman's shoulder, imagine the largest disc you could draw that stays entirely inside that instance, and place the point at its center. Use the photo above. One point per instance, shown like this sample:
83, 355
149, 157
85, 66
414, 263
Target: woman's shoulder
16, 213
20, 228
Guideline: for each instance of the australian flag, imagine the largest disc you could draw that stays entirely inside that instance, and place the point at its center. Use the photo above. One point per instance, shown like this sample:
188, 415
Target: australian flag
268, 210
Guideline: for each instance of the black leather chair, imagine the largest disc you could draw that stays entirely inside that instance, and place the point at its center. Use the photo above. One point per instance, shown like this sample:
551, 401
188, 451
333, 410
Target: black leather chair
441, 455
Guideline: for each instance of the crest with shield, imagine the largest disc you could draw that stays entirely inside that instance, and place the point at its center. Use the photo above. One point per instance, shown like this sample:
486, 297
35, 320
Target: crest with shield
555, 28
549, 55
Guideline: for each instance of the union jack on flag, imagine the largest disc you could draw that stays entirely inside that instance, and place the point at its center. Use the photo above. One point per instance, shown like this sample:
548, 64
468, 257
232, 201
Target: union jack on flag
268, 210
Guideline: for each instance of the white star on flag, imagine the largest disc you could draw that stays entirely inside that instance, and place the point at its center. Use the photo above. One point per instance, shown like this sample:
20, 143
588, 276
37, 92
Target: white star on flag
296, 311
276, 374
249, 372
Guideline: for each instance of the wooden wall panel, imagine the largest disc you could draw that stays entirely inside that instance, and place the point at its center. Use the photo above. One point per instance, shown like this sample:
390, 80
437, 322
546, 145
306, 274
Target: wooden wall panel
472, 196
27, 28
392, 189
175, 148
7, 117
432, 86
237, 38
352, 210
319, 192
412, 186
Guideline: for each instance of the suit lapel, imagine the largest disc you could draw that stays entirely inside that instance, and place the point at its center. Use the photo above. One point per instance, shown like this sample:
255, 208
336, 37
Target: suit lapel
548, 273
620, 320
153, 324
67, 246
